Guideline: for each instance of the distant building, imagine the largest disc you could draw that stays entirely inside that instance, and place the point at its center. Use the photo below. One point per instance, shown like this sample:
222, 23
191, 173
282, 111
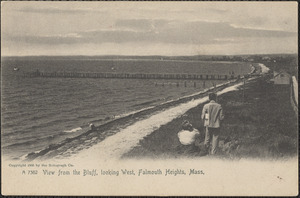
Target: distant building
281, 78
266, 58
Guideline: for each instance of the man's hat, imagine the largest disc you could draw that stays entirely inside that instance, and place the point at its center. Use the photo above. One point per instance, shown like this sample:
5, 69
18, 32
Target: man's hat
186, 124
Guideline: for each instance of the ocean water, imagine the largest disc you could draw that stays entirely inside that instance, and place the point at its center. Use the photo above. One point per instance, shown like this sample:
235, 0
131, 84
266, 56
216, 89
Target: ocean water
37, 112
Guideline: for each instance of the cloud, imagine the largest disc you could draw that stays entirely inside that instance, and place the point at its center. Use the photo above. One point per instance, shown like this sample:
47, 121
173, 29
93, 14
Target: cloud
42, 40
218, 10
55, 10
51, 25
156, 31
141, 24
220, 29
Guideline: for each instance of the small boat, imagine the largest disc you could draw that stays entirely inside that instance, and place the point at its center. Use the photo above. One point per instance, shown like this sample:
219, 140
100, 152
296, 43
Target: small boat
16, 69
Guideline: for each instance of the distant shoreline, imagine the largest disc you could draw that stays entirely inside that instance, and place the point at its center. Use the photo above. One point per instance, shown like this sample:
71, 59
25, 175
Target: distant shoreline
157, 56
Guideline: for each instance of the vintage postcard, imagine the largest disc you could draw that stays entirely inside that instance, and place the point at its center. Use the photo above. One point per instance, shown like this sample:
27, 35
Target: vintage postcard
149, 98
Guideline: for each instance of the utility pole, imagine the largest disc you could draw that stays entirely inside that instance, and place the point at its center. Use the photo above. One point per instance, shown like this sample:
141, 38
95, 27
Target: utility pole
244, 79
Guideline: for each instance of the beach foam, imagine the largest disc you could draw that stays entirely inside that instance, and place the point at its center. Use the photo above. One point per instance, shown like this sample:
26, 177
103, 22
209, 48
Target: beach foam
115, 146
73, 130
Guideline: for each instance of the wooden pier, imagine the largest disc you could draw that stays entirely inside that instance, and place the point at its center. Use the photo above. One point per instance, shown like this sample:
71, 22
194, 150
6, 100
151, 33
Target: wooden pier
128, 75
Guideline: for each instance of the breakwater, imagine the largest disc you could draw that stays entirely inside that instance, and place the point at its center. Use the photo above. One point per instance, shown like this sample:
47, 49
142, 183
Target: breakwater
128, 75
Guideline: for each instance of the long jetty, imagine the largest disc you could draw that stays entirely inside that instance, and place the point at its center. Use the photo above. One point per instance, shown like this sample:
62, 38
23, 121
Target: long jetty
128, 75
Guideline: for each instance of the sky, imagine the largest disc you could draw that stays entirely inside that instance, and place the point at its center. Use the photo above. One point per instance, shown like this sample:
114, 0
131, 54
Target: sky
148, 28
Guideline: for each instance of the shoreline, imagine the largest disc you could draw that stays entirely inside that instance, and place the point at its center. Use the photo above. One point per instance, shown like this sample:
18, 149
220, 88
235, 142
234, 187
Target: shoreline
90, 138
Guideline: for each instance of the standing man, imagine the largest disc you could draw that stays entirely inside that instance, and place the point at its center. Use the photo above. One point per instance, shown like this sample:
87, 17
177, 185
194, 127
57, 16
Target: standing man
212, 114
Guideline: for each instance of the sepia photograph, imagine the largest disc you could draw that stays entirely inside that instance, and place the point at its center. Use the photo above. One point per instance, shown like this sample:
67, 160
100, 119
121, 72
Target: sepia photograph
150, 98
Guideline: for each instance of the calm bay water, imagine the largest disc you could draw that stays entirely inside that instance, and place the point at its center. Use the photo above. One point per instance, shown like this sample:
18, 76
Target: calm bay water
37, 112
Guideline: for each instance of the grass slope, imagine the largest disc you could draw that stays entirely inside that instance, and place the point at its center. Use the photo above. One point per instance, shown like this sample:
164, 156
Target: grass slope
262, 124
